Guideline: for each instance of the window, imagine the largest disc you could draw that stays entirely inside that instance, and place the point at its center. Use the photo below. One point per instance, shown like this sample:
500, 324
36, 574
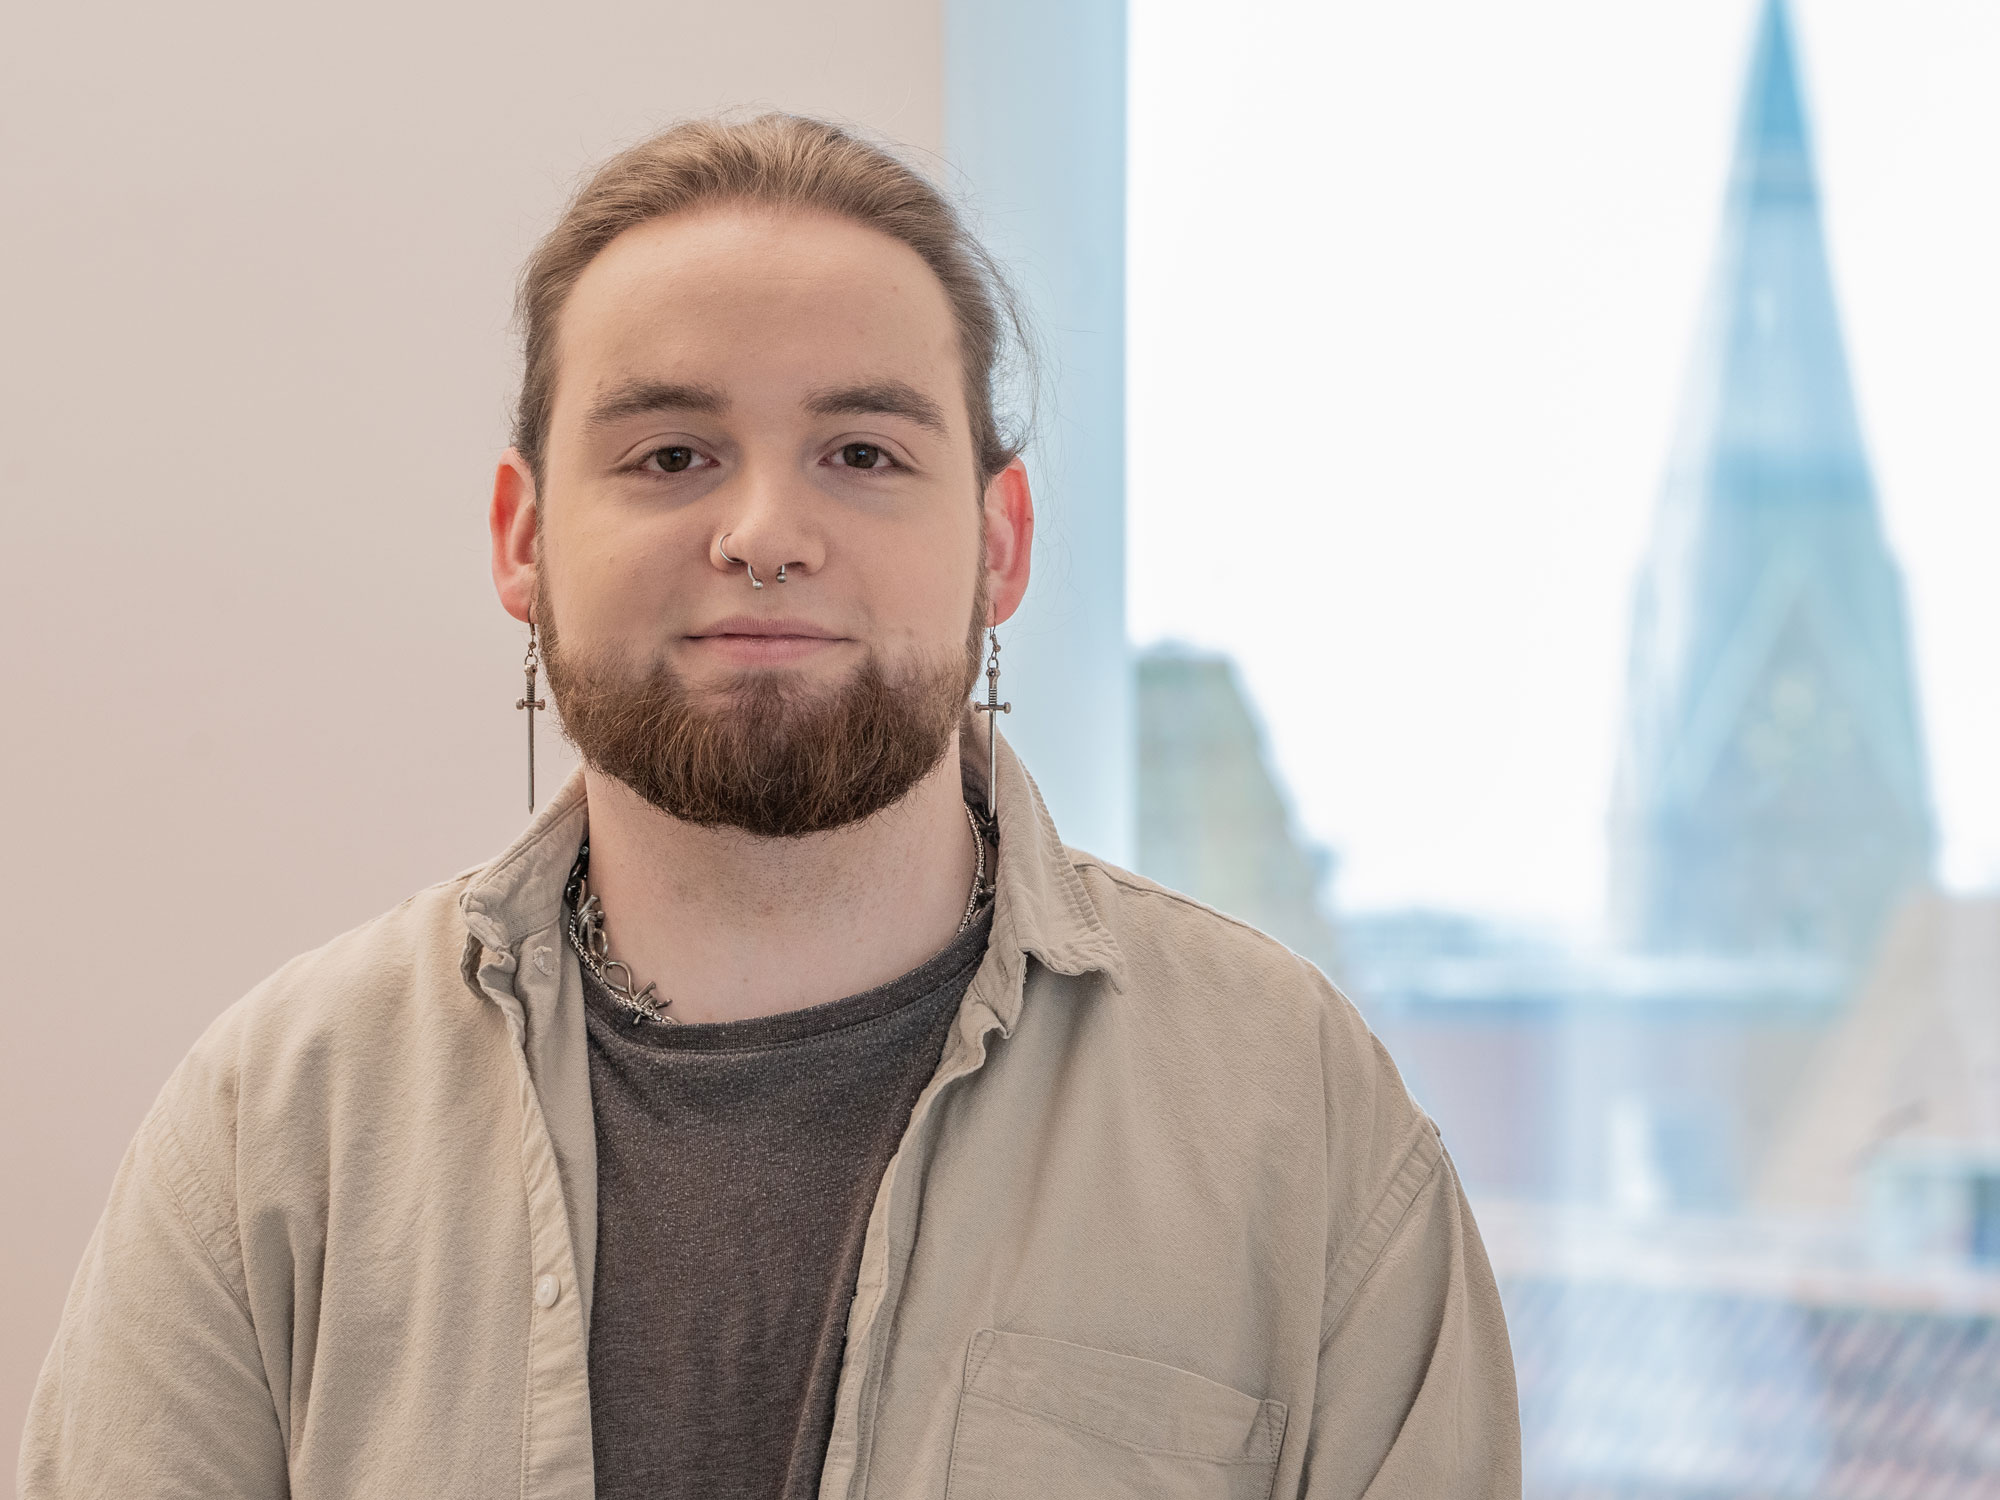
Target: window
1563, 518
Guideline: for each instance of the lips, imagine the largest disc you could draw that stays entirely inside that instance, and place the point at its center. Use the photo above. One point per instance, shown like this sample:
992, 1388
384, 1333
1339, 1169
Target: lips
745, 641
746, 625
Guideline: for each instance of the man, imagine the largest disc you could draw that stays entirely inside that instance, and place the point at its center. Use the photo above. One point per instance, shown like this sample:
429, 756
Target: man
788, 1112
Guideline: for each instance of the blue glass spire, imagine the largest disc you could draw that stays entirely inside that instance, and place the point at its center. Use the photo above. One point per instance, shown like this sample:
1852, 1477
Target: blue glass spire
1772, 791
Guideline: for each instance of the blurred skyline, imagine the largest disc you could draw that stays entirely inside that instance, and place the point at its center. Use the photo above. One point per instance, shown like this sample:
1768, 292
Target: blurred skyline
1438, 404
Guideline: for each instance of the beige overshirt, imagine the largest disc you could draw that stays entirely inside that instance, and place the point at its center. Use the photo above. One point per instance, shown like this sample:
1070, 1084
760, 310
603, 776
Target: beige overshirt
1165, 1223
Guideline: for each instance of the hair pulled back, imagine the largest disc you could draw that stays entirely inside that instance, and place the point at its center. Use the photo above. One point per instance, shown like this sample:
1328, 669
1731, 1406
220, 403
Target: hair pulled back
786, 162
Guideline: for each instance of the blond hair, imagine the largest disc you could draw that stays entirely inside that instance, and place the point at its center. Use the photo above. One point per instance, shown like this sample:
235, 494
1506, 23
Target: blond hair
777, 161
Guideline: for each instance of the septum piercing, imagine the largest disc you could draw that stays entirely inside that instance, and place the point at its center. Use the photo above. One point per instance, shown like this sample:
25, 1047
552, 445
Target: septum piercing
755, 582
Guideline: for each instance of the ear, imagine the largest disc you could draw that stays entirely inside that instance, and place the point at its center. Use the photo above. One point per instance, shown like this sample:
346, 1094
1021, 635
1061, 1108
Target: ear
514, 521
1010, 536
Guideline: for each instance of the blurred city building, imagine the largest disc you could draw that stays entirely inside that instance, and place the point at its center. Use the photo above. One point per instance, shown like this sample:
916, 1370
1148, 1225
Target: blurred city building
1737, 1161
1213, 820
1772, 792
1829, 1326
1772, 806
1901, 1106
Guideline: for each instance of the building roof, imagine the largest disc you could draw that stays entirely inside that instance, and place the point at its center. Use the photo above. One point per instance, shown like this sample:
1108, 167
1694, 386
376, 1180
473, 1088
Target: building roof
1672, 1357
1915, 1060
1645, 1391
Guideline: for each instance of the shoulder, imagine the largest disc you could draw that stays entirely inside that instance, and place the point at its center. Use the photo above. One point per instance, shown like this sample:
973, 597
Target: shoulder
1180, 952
333, 1036
1241, 1004
356, 983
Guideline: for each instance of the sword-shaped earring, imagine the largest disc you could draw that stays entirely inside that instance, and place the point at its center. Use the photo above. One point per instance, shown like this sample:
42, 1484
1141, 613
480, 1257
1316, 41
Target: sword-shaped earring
993, 708
530, 665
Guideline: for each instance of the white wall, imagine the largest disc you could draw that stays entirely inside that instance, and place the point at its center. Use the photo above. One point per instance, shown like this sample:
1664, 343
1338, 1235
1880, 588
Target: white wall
256, 271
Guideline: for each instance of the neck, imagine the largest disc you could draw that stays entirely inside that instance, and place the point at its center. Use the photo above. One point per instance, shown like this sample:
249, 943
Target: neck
732, 926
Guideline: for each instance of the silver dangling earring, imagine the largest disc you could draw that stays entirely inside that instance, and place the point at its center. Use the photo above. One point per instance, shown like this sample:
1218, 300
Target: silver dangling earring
755, 582
993, 708
530, 665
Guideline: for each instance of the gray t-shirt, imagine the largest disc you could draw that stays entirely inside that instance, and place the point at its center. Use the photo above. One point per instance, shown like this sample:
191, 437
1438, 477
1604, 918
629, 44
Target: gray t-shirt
737, 1163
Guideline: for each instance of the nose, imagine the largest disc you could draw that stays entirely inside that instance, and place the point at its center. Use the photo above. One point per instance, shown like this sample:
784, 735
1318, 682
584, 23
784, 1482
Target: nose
769, 529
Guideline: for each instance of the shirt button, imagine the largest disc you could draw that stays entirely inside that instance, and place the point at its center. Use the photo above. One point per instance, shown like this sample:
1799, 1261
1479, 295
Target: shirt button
547, 1289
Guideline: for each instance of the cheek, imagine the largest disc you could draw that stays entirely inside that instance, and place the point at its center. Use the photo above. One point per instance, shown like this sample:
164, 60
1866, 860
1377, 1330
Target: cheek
925, 587
605, 583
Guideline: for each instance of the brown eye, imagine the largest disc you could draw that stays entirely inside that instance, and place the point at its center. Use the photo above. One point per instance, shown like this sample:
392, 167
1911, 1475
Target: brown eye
671, 460
863, 456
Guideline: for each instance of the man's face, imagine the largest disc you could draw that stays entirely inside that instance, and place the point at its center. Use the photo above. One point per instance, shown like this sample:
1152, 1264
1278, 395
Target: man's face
791, 383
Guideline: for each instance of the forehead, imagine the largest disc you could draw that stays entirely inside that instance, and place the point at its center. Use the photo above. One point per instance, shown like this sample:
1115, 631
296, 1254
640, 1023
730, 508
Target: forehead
756, 301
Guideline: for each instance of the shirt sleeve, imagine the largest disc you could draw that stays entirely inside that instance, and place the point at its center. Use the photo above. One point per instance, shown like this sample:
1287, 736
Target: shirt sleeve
1415, 1395
155, 1385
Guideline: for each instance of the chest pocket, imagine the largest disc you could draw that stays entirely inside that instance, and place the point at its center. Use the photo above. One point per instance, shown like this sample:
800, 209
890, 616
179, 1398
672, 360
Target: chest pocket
1039, 1419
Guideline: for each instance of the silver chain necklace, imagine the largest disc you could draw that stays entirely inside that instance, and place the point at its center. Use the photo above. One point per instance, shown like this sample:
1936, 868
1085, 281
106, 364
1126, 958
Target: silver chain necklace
593, 948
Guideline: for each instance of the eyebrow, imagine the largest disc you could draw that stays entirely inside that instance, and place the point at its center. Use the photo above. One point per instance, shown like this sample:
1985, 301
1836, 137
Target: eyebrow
636, 398
880, 398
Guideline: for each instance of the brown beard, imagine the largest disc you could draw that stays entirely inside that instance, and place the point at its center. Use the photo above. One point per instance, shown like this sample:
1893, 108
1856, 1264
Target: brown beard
768, 754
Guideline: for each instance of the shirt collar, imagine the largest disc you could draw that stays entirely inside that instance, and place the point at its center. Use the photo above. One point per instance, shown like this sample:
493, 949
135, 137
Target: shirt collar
1041, 906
